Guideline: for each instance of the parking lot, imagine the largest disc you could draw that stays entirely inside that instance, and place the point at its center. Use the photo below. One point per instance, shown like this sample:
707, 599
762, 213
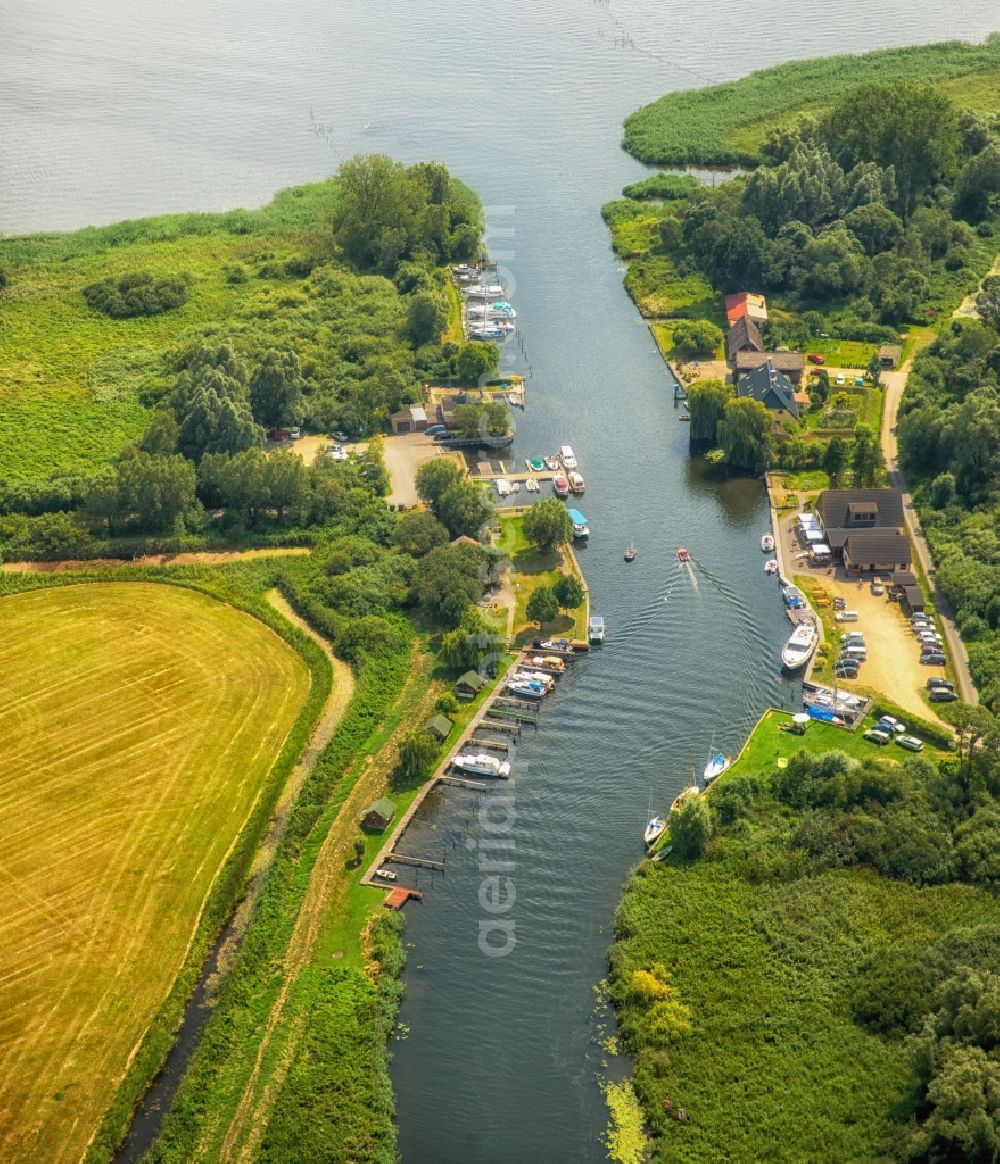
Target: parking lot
893, 665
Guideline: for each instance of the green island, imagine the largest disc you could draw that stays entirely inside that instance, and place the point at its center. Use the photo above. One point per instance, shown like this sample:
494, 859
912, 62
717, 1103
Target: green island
193, 434
808, 967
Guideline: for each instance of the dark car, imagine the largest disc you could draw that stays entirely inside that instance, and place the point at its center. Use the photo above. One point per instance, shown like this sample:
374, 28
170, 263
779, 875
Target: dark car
933, 659
937, 681
942, 695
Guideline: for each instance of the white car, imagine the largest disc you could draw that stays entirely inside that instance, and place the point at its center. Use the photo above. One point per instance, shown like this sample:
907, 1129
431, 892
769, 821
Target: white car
294, 433
839, 381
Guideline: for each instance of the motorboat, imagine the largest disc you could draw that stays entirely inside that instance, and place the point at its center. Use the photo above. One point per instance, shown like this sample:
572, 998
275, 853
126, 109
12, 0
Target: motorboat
771, 566
560, 485
385, 874
767, 543
683, 555
595, 629
654, 830
515, 486
531, 485
568, 457
552, 662
580, 527
552, 463
715, 767
693, 790
534, 464
526, 689
560, 646
502, 486
800, 646
534, 677
482, 764
630, 553
576, 484
685, 416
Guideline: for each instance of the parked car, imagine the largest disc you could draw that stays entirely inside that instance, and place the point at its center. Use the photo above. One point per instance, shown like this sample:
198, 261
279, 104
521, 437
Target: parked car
937, 681
845, 672
816, 358
889, 723
852, 637
877, 588
340, 436
433, 430
910, 743
933, 659
942, 695
840, 604
877, 737
840, 380
846, 616
294, 433
921, 620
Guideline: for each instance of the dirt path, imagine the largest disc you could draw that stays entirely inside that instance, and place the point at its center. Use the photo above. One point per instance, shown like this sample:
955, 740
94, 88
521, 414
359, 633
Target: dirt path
217, 557
895, 385
327, 886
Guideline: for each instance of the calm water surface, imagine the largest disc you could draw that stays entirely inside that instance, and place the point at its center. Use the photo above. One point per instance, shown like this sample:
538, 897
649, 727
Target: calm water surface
114, 110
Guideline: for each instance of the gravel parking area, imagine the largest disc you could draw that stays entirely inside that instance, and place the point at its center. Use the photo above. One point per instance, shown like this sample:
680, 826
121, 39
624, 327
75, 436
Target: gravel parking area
404, 455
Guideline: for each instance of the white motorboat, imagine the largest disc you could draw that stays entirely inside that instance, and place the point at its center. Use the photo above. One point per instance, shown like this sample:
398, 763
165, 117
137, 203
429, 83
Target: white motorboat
385, 874
482, 764
800, 646
771, 566
654, 830
561, 646
531, 485
595, 629
526, 689
576, 484
568, 457
534, 677
767, 543
716, 766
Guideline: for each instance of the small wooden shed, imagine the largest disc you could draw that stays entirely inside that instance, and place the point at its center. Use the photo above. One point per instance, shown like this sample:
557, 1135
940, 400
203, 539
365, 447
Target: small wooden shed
468, 686
439, 727
378, 816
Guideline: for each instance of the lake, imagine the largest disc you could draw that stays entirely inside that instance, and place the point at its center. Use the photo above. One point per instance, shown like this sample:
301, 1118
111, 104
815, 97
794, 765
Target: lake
115, 111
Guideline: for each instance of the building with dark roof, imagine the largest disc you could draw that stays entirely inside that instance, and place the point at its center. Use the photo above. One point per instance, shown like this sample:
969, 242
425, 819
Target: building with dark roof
772, 388
378, 816
744, 336
793, 364
844, 512
879, 550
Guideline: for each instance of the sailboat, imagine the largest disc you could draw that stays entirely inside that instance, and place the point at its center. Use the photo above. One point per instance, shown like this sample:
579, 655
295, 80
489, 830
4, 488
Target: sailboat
654, 830
716, 766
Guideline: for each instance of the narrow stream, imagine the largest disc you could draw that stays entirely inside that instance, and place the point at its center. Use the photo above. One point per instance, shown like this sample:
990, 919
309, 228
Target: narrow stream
118, 111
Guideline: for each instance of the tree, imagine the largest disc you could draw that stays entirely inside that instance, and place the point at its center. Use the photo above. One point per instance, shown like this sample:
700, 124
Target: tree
692, 336
943, 490
241, 481
547, 523
426, 318
569, 591
416, 754
447, 580
476, 360
286, 479
276, 389
418, 533
475, 419
543, 606
707, 401
359, 850
213, 413
158, 492
690, 826
434, 477
867, 459
744, 435
964, 1122
875, 226
463, 508
835, 460
973, 722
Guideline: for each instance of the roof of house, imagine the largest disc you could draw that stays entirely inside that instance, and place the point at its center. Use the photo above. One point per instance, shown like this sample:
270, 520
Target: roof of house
903, 578
803, 399
470, 679
914, 595
877, 545
772, 388
744, 333
744, 303
783, 361
418, 412
383, 808
833, 506
440, 724
890, 352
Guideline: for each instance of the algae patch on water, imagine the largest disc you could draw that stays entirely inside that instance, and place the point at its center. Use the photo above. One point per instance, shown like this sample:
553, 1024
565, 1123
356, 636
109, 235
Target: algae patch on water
626, 1139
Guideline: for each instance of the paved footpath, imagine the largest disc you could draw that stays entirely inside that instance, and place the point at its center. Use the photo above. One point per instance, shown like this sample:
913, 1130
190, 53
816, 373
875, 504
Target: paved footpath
895, 383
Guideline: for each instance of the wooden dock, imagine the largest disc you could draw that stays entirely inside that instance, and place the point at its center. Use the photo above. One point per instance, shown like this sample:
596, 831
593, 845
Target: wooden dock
420, 862
460, 782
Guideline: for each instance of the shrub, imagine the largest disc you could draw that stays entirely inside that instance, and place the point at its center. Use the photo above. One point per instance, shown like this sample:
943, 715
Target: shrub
136, 294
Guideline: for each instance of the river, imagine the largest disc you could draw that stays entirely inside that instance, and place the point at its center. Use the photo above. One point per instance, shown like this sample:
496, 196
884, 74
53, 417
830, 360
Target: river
116, 111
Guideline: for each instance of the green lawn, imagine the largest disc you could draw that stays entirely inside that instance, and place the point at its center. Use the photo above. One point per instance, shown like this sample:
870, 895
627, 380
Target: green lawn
533, 568
842, 353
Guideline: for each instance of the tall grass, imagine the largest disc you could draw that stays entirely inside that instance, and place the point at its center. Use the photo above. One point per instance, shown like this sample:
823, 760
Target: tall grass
725, 124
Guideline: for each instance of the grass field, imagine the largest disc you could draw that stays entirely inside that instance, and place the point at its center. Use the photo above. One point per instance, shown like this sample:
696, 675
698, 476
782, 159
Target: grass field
138, 727
726, 124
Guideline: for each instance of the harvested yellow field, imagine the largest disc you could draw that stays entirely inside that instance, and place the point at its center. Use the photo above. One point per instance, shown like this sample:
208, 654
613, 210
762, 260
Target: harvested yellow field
138, 723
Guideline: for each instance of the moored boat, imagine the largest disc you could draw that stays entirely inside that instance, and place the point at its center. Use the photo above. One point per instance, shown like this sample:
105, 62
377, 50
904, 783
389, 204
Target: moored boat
693, 790
552, 463
567, 456
531, 485
767, 543
576, 484
654, 830
580, 527
535, 464
800, 646
771, 566
552, 662
534, 677
560, 646
526, 689
716, 766
560, 485
482, 764
385, 874
595, 629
